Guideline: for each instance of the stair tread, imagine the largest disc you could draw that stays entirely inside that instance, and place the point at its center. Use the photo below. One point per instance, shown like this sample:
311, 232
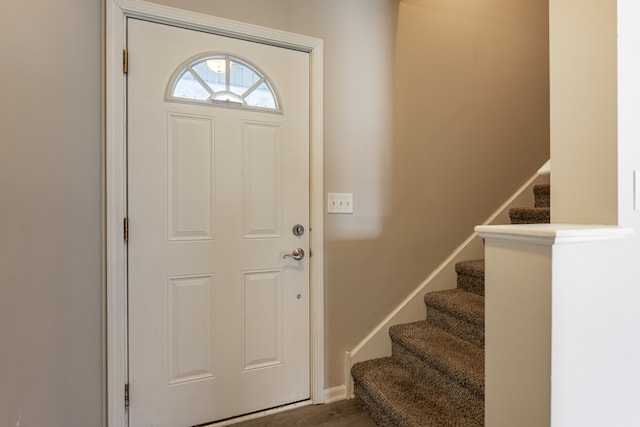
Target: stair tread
455, 358
402, 400
459, 303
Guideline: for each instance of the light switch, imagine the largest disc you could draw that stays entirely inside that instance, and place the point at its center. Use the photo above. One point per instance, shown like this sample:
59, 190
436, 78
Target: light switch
341, 203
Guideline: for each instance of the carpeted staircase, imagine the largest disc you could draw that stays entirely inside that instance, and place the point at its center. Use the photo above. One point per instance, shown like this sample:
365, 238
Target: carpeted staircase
435, 376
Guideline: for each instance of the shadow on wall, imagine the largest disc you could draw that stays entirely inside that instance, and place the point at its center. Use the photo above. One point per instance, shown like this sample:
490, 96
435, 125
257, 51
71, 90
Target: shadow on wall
470, 124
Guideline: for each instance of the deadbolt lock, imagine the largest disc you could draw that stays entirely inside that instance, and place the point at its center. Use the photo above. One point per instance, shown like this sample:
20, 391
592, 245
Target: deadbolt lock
298, 230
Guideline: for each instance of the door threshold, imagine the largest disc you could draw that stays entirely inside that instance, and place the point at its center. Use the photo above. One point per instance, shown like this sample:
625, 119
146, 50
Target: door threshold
259, 414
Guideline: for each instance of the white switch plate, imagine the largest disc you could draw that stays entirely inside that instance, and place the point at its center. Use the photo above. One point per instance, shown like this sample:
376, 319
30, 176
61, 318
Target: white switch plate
341, 203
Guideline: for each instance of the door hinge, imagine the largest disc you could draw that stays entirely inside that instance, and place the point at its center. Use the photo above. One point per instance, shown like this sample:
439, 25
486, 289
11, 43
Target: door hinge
125, 61
126, 229
126, 395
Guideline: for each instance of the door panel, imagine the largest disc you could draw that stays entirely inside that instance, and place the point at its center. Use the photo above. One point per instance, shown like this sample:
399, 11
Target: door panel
262, 319
218, 318
190, 335
190, 175
262, 187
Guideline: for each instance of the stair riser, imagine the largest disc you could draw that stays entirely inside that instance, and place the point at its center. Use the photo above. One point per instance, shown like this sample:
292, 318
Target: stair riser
376, 410
470, 275
461, 328
542, 196
468, 402
542, 201
471, 284
530, 216
516, 221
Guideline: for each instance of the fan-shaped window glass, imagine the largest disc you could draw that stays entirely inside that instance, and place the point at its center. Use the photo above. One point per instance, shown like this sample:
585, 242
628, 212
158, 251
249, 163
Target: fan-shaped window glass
223, 79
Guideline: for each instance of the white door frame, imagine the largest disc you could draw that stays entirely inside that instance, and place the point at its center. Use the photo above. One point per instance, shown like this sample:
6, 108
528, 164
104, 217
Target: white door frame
117, 11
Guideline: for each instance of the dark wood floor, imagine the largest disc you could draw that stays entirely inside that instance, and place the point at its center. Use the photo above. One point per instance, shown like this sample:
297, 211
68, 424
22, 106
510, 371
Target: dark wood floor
345, 413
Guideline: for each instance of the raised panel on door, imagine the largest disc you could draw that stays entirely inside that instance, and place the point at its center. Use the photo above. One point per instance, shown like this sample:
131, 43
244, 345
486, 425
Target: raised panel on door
262, 179
190, 314
261, 319
191, 181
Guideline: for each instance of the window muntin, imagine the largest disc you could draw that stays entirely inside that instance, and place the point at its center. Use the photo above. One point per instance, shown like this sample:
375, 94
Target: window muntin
221, 79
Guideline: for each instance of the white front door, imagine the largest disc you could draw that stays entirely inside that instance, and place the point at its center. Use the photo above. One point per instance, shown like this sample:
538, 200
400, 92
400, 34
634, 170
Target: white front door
218, 317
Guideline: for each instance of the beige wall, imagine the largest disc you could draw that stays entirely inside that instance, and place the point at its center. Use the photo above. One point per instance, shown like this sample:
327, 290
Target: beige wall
435, 112
51, 285
584, 127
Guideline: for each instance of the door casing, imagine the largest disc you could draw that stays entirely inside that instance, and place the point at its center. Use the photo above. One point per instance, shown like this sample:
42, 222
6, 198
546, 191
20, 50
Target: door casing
117, 12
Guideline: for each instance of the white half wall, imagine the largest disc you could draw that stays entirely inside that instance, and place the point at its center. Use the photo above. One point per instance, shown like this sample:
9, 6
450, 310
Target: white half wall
561, 340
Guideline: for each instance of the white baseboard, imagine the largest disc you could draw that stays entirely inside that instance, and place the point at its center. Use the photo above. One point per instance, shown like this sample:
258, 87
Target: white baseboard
377, 342
334, 394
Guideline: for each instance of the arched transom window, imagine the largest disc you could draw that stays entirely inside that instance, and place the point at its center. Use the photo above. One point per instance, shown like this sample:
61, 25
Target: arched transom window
222, 79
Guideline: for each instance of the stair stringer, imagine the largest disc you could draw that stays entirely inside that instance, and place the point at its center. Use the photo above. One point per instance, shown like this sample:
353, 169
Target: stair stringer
377, 342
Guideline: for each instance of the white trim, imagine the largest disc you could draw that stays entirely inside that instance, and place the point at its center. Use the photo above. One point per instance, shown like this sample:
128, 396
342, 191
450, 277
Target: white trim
348, 362
117, 11
377, 342
545, 169
215, 25
116, 204
553, 234
335, 394
316, 226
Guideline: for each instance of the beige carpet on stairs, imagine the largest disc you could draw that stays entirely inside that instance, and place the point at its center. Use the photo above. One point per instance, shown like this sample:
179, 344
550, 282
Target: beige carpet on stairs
435, 376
